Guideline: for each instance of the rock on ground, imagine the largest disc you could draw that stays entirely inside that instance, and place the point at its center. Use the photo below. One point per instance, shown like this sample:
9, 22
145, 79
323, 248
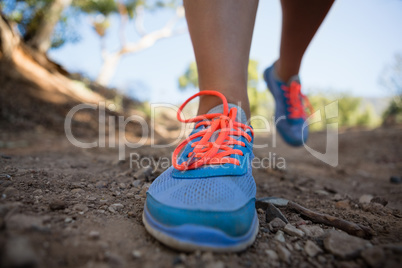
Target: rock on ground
293, 231
276, 224
373, 256
343, 245
19, 253
311, 248
312, 230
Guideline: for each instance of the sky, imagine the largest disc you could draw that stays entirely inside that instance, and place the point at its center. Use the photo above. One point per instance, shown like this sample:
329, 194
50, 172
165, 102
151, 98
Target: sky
357, 40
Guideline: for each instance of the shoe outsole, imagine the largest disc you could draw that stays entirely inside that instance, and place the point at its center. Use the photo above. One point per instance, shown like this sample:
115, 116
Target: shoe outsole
187, 237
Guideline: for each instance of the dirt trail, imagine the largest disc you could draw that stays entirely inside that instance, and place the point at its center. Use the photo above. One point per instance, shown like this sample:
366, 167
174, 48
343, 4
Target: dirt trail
62, 206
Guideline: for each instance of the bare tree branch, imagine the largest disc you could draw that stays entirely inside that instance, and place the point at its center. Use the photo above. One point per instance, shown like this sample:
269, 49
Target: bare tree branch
123, 22
147, 40
151, 38
139, 21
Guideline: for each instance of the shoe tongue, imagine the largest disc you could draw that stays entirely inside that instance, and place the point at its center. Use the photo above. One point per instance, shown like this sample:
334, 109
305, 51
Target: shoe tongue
240, 117
295, 78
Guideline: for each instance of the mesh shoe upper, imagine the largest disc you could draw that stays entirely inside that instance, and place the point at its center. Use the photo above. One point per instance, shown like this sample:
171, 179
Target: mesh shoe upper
220, 196
290, 127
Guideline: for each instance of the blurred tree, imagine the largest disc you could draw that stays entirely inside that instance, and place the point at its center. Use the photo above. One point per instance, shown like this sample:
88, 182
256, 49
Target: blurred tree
37, 19
348, 107
391, 80
136, 12
352, 111
41, 39
43, 24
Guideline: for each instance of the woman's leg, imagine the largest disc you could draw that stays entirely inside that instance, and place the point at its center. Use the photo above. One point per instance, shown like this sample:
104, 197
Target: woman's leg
300, 22
221, 33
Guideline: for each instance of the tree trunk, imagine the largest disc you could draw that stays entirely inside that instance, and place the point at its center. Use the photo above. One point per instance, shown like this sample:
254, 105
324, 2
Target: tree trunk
108, 68
8, 40
42, 39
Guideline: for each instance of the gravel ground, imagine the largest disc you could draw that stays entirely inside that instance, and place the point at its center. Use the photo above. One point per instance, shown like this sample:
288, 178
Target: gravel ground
62, 206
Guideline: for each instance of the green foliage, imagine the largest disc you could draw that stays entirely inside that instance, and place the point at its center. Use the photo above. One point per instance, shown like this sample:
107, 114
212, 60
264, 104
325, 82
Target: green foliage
28, 14
351, 112
190, 77
391, 80
393, 114
104, 7
348, 106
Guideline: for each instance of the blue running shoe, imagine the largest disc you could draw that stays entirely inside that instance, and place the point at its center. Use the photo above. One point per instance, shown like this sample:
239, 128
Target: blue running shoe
206, 200
290, 103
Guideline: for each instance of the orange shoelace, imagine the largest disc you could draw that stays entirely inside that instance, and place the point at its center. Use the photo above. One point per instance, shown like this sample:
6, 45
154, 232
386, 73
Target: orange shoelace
207, 152
296, 107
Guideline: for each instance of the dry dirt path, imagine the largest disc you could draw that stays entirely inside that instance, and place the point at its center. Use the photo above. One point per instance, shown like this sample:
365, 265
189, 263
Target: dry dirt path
62, 206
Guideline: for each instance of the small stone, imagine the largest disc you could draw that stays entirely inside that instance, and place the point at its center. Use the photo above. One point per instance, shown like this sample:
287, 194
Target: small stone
131, 214
365, 199
136, 254
395, 179
322, 259
311, 248
272, 212
343, 245
291, 230
276, 224
25, 222
137, 183
337, 197
207, 256
312, 230
68, 220
343, 204
276, 201
37, 192
80, 208
122, 185
10, 192
298, 247
117, 206
101, 184
217, 264
144, 189
77, 191
94, 235
183, 257
103, 201
373, 256
283, 253
114, 260
5, 208
289, 246
280, 237
379, 200
111, 209
91, 199
143, 173
19, 253
260, 211
138, 197
57, 205
321, 192
271, 254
